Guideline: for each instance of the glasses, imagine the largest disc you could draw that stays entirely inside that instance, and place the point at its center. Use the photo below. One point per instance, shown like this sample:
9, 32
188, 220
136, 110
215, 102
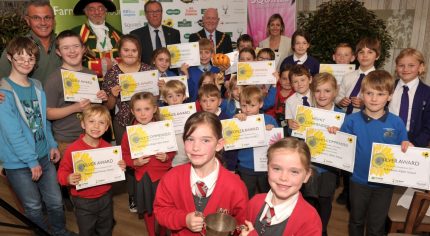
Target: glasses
39, 19
93, 9
21, 60
264, 58
156, 12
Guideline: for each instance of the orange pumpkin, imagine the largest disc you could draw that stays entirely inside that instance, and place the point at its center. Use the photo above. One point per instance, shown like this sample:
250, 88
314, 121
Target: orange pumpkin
220, 59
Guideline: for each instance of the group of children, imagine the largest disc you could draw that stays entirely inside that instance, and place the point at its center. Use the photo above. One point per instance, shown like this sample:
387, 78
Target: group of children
203, 179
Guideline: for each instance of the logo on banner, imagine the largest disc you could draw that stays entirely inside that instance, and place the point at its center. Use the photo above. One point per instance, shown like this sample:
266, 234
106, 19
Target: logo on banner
184, 23
186, 1
130, 1
187, 36
173, 11
165, 0
168, 22
128, 13
191, 12
202, 11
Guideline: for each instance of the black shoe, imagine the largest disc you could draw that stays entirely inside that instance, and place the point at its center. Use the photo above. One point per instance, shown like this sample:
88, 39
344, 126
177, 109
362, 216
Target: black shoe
132, 205
342, 199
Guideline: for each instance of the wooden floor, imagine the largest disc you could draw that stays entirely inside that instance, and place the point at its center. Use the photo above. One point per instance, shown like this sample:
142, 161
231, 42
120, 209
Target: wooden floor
129, 225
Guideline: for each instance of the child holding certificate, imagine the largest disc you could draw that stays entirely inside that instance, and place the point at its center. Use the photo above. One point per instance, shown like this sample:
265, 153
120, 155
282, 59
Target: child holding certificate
251, 101
411, 98
232, 102
148, 170
374, 124
189, 192
247, 54
93, 205
283, 211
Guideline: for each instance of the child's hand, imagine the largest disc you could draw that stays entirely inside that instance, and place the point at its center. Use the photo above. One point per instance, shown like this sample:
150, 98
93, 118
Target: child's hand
194, 221
246, 230
74, 178
332, 129
54, 154
269, 127
405, 144
101, 94
141, 161
162, 156
276, 74
224, 67
161, 83
36, 172
115, 90
292, 124
184, 69
356, 102
240, 116
121, 164
81, 105
344, 102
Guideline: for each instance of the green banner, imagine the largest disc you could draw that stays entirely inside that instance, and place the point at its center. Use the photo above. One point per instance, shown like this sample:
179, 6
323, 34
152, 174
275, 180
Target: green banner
65, 19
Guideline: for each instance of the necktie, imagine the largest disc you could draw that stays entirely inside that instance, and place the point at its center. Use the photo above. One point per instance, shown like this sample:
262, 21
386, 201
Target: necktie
157, 40
164, 74
305, 101
212, 40
296, 62
202, 189
355, 92
404, 104
269, 215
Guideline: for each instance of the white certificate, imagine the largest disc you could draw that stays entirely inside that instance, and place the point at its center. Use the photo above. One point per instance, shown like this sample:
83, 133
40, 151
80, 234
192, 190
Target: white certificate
234, 58
337, 70
78, 86
178, 114
244, 134
145, 140
256, 72
183, 79
311, 117
98, 166
131, 83
336, 150
389, 165
260, 153
184, 53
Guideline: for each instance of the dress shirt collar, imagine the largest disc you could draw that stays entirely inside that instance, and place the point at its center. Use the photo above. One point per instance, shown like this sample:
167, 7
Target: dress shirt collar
282, 211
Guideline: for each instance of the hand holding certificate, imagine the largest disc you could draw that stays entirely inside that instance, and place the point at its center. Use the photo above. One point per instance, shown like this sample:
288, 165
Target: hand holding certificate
234, 58
98, 166
256, 72
337, 70
131, 83
78, 86
244, 134
184, 53
389, 165
178, 114
152, 138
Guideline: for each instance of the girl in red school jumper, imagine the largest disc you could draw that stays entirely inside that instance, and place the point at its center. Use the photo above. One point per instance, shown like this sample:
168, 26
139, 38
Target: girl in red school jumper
191, 191
148, 169
283, 210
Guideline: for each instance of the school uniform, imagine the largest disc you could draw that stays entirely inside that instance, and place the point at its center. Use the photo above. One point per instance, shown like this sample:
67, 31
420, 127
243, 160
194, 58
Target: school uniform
194, 74
308, 61
293, 101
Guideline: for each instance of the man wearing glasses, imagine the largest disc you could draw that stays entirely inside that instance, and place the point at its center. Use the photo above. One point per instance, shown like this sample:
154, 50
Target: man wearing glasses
100, 37
39, 16
154, 35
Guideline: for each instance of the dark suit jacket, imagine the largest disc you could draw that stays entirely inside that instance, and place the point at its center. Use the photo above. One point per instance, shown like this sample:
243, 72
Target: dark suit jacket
224, 47
172, 36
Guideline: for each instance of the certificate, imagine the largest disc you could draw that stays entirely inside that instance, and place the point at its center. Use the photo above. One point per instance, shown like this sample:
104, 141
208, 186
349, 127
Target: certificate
178, 114
184, 53
337, 70
145, 140
244, 134
311, 117
131, 83
389, 165
260, 153
256, 72
98, 166
234, 58
335, 150
182, 79
78, 86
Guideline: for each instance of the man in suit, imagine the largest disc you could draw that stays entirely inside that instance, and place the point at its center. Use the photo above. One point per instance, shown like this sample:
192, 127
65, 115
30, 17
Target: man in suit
154, 35
221, 41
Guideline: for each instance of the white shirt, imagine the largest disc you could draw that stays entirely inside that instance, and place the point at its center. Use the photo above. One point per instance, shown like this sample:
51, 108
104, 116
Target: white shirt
293, 101
282, 211
102, 35
394, 105
301, 59
160, 34
209, 180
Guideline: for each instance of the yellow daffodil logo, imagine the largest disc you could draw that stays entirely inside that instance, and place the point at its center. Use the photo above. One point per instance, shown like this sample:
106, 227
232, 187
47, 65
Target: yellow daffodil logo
258, 119
115, 151
168, 22
165, 114
350, 140
71, 83
337, 117
182, 79
128, 85
153, 74
425, 154
270, 63
175, 54
305, 118
244, 71
326, 68
316, 142
84, 165
382, 160
190, 107
230, 132
167, 124
93, 78
138, 138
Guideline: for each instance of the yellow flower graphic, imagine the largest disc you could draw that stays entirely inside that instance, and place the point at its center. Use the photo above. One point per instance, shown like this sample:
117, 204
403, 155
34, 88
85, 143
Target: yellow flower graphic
326, 68
168, 22
128, 85
190, 107
175, 54
337, 117
165, 114
382, 160
350, 140
230, 132
84, 165
270, 63
305, 118
138, 138
425, 154
167, 124
71, 83
316, 142
115, 151
258, 119
244, 72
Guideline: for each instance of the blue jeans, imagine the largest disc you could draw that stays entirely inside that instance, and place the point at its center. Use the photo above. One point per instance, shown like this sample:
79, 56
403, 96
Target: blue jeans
32, 193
